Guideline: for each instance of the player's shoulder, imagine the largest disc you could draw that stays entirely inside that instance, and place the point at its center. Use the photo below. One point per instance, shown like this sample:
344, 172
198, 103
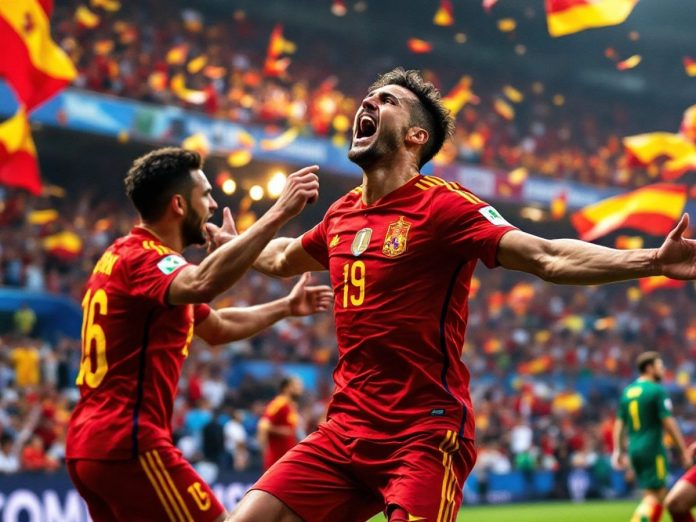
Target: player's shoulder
446, 191
276, 405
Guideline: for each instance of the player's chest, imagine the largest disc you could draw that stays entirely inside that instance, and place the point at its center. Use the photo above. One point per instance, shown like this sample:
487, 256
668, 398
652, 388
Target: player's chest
376, 249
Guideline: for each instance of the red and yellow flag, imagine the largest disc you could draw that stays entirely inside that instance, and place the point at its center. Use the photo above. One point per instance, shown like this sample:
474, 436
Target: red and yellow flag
277, 46
32, 62
571, 16
535, 366
654, 209
650, 284
444, 16
689, 66
648, 147
18, 165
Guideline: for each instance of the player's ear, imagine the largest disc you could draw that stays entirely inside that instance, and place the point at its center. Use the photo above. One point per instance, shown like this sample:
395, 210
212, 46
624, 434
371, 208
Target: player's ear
417, 136
178, 204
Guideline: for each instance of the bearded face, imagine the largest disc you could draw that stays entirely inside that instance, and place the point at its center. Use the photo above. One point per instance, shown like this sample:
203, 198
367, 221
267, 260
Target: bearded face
192, 226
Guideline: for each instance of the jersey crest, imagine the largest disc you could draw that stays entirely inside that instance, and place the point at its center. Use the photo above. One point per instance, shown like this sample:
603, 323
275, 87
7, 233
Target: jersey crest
396, 238
361, 241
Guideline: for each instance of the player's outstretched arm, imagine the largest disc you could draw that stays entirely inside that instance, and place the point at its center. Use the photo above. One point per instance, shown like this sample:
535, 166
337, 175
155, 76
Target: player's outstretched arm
569, 261
285, 257
222, 268
231, 324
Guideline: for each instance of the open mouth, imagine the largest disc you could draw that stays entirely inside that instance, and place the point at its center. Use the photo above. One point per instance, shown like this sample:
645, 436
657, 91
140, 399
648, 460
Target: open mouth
367, 127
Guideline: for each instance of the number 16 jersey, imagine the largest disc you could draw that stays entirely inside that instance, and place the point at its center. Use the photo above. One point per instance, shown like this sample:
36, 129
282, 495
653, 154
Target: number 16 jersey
133, 347
401, 270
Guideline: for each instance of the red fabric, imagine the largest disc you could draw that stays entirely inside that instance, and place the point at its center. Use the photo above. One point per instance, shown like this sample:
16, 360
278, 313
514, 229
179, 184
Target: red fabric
122, 490
146, 343
280, 412
555, 6
399, 369
690, 476
657, 513
20, 170
32, 85
328, 475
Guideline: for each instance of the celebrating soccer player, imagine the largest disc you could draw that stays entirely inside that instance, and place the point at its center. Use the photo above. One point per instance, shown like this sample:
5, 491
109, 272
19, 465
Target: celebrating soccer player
645, 412
400, 251
143, 304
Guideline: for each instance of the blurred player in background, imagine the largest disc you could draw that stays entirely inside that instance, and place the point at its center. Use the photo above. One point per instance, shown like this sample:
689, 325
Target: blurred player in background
645, 413
143, 304
277, 431
400, 251
681, 499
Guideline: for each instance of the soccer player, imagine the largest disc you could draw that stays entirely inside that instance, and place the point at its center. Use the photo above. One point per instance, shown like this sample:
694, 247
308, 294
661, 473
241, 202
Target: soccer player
645, 412
142, 306
277, 430
400, 251
681, 499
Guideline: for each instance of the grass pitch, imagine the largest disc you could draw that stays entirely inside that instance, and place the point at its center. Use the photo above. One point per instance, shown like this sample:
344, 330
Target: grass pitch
602, 511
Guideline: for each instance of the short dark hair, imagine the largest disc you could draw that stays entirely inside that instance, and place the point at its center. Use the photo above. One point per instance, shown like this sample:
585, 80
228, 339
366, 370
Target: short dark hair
429, 114
285, 383
646, 359
155, 177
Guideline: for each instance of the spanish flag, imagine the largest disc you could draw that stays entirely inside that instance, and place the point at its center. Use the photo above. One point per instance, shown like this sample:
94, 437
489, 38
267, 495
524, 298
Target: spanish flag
18, 165
571, 16
32, 63
535, 366
651, 146
689, 66
274, 65
65, 245
653, 209
650, 284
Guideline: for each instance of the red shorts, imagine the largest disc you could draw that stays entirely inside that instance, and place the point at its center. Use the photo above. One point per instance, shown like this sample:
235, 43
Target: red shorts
690, 476
331, 477
159, 485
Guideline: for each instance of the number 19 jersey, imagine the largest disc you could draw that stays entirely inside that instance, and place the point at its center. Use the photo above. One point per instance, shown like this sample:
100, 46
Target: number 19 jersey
401, 271
133, 347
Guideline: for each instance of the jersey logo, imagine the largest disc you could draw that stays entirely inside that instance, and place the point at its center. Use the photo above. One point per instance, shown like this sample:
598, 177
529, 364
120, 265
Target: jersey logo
493, 216
334, 241
632, 393
170, 263
361, 241
396, 238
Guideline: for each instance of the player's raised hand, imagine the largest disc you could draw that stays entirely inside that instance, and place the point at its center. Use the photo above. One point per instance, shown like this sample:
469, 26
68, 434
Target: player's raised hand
305, 300
676, 258
301, 187
218, 236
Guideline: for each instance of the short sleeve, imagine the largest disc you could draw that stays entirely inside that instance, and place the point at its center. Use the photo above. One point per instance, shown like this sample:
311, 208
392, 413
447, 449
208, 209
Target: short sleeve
315, 244
200, 313
276, 412
152, 271
467, 226
664, 405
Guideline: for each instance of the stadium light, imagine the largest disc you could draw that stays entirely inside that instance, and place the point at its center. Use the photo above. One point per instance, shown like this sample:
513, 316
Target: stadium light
256, 192
276, 184
229, 186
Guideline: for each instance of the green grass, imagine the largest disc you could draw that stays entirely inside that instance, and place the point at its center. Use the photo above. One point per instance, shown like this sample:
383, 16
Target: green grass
603, 511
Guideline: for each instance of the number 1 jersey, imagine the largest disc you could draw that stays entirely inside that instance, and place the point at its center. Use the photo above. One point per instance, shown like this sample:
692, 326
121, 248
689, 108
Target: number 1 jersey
401, 270
133, 347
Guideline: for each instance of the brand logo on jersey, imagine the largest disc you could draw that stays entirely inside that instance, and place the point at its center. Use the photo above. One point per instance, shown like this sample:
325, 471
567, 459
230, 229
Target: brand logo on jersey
334, 241
169, 264
437, 412
361, 241
493, 216
395, 240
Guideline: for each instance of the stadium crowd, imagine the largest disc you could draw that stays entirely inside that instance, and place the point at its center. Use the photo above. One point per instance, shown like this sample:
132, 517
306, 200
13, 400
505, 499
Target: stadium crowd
217, 64
547, 362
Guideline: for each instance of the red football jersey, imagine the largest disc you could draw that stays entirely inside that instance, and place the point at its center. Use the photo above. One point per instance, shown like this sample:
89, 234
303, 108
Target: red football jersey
133, 346
401, 269
280, 412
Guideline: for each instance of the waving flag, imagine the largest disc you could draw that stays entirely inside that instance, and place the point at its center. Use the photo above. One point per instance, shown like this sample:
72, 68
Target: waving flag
31, 61
277, 46
654, 209
444, 16
571, 16
648, 147
650, 284
18, 166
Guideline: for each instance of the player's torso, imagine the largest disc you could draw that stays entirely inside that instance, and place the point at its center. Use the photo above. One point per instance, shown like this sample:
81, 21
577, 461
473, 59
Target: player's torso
641, 400
132, 353
400, 308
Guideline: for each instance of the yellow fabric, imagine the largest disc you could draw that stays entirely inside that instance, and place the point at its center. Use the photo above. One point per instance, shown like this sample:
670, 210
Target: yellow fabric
26, 366
648, 147
595, 13
15, 133
44, 54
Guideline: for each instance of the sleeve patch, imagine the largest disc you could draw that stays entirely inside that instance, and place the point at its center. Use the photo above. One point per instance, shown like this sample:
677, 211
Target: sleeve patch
493, 216
169, 264
668, 404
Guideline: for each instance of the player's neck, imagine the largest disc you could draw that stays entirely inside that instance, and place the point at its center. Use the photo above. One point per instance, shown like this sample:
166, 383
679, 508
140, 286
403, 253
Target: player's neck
380, 180
168, 236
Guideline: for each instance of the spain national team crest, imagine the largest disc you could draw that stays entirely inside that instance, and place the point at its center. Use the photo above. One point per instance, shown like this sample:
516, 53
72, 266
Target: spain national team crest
396, 238
361, 241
